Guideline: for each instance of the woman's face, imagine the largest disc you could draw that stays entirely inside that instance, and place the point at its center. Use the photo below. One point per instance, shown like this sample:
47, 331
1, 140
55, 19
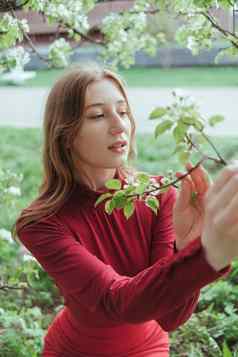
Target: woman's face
103, 139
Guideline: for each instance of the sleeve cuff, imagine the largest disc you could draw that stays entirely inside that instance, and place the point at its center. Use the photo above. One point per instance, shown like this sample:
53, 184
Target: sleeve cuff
195, 248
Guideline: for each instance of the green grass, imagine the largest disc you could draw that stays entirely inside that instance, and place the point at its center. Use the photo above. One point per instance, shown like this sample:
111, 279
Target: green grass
159, 77
182, 77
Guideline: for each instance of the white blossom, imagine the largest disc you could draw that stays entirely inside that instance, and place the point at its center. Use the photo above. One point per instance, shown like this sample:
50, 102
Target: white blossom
28, 258
165, 181
6, 235
59, 52
15, 191
24, 24
155, 193
191, 43
130, 179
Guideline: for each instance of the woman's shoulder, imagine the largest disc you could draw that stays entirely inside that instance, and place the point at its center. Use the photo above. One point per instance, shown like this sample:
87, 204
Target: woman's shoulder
47, 223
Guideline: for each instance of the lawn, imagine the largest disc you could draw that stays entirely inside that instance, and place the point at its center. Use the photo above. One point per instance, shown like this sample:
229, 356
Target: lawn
159, 77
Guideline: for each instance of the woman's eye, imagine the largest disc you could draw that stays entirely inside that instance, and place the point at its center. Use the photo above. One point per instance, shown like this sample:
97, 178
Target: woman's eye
98, 116
124, 113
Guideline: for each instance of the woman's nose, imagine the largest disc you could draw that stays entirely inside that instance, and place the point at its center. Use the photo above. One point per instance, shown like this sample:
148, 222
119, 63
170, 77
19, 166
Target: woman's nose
117, 124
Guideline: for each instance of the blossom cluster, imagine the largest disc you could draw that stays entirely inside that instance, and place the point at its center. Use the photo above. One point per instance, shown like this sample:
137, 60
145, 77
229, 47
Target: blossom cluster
125, 33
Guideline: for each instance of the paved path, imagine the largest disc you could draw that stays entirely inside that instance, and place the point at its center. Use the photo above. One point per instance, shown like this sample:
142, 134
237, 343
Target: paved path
24, 107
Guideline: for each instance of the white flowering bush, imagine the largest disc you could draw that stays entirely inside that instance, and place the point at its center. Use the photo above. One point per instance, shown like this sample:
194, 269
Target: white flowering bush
25, 290
124, 33
9, 187
59, 53
12, 30
14, 58
196, 34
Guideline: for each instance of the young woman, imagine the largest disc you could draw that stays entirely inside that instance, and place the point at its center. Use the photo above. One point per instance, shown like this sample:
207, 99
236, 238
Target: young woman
124, 282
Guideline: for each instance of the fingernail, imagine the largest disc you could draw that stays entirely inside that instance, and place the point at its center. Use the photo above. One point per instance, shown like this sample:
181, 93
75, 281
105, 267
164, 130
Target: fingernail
189, 166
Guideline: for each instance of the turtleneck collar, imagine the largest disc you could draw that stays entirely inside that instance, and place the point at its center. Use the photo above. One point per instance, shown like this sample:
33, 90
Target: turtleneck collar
84, 190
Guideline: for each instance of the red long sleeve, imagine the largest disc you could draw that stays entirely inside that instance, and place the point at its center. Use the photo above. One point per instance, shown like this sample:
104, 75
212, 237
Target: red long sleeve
85, 281
117, 277
163, 238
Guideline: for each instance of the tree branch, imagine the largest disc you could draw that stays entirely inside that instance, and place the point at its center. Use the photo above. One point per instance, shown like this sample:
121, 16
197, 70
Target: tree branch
223, 161
86, 37
7, 5
8, 287
217, 26
28, 39
195, 146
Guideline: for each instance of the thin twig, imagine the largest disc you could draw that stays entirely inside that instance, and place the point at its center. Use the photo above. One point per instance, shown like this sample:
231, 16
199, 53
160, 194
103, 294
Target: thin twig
8, 287
84, 36
28, 39
89, 38
34, 49
195, 146
223, 161
172, 183
215, 24
8, 5
183, 176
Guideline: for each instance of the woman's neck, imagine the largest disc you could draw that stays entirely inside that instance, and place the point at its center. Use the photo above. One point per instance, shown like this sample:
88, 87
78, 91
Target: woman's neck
95, 179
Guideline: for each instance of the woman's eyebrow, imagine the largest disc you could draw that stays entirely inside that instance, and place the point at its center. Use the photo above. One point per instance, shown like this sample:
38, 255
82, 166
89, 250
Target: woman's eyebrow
121, 101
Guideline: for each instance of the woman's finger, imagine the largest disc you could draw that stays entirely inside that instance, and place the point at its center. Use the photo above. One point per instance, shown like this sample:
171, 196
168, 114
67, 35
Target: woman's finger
227, 193
226, 217
224, 176
184, 197
199, 177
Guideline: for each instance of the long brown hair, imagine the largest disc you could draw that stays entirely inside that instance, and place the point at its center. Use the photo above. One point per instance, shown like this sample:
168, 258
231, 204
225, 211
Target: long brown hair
62, 120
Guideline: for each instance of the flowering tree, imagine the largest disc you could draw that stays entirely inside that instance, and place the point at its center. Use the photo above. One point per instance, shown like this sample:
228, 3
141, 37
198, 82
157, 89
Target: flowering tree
123, 33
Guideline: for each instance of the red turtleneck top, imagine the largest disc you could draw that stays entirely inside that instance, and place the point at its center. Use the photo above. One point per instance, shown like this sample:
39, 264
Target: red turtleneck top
123, 285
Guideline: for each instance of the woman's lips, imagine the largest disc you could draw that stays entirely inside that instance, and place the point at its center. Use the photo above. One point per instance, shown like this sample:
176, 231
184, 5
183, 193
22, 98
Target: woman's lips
118, 147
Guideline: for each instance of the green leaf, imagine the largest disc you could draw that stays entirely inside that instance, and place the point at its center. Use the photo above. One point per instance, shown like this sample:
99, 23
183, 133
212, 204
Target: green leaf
129, 189
128, 209
198, 125
215, 119
109, 206
158, 113
180, 147
184, 156
113, 184
143, 178
188, 120
119, 199
179, 132
163, 127
102, 198
153, 203
226, 351
199, 139
141, 189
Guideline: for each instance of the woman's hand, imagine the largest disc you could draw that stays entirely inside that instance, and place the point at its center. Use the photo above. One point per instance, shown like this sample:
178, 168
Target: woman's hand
188, 212
220, 234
